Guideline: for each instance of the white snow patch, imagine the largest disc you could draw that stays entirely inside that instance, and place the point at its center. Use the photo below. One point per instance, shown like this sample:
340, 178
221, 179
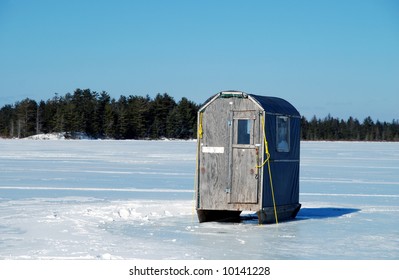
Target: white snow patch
60, 136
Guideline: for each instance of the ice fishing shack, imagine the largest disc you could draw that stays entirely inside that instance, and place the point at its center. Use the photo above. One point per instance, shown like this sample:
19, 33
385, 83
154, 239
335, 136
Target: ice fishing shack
247, 158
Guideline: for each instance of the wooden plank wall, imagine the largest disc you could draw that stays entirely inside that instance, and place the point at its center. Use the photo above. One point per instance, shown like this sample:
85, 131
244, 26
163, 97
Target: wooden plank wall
215, 173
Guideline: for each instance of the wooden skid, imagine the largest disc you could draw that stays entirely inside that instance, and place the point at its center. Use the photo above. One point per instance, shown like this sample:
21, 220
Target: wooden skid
218, 215
285, 212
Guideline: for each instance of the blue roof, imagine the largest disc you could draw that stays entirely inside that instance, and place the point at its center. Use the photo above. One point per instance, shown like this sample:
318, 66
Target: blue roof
271, 105
275, 105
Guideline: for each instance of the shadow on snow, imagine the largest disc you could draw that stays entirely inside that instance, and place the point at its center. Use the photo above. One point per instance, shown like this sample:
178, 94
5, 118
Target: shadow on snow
306, 214
324, 212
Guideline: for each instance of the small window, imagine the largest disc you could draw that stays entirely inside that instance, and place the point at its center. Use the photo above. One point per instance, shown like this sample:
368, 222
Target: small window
283, 134
244, 132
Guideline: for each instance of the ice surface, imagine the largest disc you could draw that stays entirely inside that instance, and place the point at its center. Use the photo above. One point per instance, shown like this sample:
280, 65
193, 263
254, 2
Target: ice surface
89, 199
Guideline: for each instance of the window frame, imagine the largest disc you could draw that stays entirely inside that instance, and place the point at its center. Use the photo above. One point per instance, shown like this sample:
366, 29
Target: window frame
282, 147
246, 134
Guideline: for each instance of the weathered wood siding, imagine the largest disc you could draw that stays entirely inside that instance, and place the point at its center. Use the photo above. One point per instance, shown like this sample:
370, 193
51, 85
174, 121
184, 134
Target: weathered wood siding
228, 176
213, 168
244, 187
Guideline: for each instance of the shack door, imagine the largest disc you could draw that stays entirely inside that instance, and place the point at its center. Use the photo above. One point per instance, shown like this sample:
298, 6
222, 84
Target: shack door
244, 137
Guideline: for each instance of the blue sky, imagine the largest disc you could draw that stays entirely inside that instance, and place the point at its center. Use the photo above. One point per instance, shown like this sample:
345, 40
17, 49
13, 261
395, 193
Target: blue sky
337, 57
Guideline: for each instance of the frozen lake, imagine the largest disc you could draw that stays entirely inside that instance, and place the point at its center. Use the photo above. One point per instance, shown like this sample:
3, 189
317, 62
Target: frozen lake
134, 200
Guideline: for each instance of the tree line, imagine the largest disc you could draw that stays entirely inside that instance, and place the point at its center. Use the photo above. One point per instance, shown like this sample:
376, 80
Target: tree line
137, 117
100, 116
352, 129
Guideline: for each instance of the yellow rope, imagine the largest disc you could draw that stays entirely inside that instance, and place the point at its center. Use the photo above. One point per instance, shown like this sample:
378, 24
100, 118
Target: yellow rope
200, 129
268, 167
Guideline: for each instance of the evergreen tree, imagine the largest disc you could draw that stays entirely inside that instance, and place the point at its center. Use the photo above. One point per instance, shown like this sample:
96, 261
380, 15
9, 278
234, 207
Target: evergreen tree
160, 108
122, 118
182, 120
304, 129
102, 104
7, 121
139, 112
26, 117
110, 120
368, 129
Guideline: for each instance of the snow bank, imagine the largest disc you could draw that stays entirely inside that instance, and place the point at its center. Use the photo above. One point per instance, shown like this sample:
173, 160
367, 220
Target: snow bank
60, 136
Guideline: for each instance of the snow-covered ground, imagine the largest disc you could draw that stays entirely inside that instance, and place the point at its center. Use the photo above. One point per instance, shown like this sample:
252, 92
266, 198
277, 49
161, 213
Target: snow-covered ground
93, 199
